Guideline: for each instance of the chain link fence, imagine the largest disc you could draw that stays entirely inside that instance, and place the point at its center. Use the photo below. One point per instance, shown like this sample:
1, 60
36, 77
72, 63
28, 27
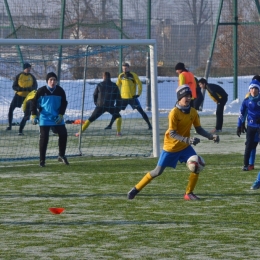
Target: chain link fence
184, 31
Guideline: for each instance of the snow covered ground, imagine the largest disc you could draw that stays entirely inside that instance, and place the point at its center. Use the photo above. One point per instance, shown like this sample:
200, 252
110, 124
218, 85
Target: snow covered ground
166, 97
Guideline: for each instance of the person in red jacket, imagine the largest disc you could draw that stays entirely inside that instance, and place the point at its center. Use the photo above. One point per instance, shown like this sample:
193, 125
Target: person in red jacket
186, 77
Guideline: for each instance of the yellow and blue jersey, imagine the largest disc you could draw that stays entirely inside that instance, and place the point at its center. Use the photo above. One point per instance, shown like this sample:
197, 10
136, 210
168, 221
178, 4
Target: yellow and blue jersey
181, 123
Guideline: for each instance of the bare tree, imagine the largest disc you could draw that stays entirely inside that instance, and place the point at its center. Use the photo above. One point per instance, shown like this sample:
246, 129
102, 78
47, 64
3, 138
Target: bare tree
199, 13
248, 37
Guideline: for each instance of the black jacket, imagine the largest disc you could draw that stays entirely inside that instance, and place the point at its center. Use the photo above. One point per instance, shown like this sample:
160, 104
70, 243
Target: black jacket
106, 93
216, 92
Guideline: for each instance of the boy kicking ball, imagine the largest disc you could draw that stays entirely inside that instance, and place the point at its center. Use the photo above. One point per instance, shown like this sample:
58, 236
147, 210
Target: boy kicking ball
177, 143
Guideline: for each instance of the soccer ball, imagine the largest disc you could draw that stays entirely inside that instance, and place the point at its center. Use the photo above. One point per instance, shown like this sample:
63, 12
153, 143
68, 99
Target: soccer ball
195, 163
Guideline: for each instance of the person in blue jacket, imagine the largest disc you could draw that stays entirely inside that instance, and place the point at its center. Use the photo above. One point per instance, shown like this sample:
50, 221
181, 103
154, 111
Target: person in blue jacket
251, 165
52, 103
250, 108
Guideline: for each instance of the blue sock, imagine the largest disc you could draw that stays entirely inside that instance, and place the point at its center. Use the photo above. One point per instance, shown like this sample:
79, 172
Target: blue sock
252, 157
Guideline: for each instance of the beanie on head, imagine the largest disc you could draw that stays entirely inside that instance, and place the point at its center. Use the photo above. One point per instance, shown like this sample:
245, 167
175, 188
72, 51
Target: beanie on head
254, 84
26, 65
180, 66
51, 75
183, 91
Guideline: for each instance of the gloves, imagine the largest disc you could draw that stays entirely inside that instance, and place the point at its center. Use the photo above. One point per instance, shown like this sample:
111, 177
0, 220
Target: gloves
136, 96
34, 119
193, 140
58, 119
243, 127
216, 139
239, 131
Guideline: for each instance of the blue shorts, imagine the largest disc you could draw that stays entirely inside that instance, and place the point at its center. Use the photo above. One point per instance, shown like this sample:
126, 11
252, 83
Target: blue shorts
168, 159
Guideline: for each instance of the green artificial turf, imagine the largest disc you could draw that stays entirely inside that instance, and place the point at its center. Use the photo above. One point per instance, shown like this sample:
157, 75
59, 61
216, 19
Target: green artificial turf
100, 223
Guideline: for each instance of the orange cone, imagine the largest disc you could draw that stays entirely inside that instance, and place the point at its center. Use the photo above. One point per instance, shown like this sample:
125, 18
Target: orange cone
56, 210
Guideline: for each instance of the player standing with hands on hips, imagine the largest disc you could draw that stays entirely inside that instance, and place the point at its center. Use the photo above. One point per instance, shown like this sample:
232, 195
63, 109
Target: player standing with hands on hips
177, 143
52, 103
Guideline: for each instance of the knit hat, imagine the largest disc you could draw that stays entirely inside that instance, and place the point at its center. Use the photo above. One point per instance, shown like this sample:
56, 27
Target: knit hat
26, 65
51, 75
180, 66
254, 84
183, 91
125, 64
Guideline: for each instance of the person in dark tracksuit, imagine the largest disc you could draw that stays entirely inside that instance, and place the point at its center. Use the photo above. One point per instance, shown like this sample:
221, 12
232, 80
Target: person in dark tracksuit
218, 95
105, 96
23, 84
52, 103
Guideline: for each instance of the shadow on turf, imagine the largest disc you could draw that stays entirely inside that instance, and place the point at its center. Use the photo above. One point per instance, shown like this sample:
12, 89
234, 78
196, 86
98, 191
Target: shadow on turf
120, 222
170, 196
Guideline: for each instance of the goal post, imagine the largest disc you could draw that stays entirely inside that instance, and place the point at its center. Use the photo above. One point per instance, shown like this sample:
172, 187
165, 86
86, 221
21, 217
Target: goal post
151, 43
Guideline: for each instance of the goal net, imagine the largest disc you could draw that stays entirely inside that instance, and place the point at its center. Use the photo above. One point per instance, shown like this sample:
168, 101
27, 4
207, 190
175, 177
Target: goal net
79, 65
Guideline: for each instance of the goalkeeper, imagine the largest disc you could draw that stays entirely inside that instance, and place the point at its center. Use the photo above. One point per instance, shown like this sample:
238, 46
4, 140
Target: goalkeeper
177, 142
52, 103
26, 107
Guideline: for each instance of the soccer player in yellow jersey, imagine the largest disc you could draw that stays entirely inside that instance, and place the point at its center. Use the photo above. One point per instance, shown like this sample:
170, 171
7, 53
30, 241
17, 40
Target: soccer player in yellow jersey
130, 87
177, 142
23, 84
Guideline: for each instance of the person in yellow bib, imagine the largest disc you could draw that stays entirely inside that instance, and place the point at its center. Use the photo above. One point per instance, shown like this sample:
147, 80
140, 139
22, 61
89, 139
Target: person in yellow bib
23, 84
177, 143
26, 107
